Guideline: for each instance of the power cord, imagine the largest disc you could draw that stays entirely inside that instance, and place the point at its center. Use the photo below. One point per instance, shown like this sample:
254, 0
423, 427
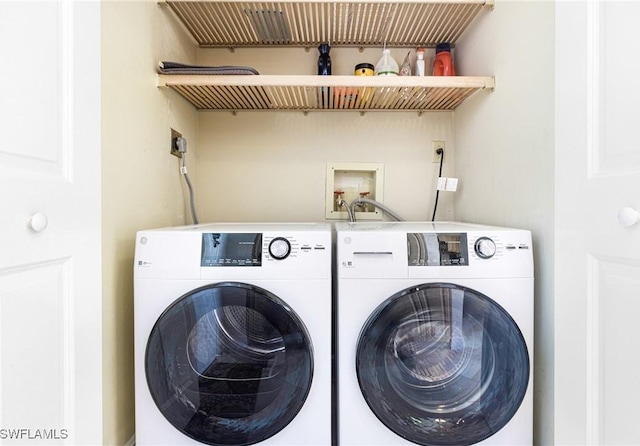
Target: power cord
181, 144
435, 206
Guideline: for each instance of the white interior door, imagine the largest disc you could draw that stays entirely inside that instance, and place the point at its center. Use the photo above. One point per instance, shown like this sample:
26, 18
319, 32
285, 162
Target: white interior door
598, 260
50, 279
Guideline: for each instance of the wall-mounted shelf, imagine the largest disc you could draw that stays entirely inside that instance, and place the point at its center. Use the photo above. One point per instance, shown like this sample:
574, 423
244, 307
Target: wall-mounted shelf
312, 93
403, 23
307, 23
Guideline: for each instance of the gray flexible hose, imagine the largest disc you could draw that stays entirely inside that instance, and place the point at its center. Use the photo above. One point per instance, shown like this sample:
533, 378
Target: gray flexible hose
379, 205
343, 203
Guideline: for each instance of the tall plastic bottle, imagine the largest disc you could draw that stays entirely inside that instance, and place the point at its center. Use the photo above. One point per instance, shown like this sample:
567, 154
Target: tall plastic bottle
420, 62
324, 60
324, 69
387, 66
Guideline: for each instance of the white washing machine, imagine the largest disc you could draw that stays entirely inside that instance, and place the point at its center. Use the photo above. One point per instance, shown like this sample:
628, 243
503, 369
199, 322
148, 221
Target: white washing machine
233, 335
435, 334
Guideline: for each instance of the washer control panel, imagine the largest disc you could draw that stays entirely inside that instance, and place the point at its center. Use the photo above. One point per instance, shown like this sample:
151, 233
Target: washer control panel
485, 247
496, 246
437, 249
458, 248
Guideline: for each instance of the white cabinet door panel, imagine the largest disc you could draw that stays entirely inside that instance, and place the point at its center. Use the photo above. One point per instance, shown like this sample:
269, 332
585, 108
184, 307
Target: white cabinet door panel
597, 269
50, 277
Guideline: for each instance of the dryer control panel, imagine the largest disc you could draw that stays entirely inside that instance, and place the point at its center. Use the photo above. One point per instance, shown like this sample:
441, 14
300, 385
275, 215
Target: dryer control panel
238, 251
235, 249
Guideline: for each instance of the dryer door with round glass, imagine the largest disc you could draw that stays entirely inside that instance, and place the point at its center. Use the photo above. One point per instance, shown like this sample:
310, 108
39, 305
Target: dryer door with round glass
441, 364
229, 364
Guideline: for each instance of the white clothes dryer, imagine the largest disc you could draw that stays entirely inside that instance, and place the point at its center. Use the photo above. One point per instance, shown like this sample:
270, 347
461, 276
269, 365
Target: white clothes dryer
233, 335
435, 334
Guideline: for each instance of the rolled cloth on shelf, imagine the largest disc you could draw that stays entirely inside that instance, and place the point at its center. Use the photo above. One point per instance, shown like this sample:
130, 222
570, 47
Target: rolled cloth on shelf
166, 67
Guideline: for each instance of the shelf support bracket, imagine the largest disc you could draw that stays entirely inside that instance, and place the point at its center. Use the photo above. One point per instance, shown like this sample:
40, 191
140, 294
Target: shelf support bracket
161, 82
491, 85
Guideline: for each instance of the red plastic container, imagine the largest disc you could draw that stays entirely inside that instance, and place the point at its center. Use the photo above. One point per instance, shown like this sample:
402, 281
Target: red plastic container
443, 62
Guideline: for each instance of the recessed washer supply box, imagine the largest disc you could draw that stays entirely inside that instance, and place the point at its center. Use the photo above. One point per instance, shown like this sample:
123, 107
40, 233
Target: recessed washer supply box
350, 181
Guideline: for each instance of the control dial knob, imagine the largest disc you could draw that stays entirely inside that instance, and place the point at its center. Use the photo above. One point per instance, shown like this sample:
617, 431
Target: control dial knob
279, 248
485, 247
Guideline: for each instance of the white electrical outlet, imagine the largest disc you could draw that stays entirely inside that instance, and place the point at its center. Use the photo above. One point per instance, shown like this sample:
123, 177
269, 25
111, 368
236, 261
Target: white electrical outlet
435, 146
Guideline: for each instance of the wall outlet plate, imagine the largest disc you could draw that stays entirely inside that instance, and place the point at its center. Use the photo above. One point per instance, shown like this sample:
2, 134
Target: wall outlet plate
173, 149
435, 146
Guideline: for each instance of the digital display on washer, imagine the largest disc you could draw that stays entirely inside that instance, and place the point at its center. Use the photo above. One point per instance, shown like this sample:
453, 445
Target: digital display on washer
231, 249
437, 249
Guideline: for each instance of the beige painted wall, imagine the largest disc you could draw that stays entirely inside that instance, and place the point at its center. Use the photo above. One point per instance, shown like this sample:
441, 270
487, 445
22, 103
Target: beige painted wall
142, 186
272, 166
505, 155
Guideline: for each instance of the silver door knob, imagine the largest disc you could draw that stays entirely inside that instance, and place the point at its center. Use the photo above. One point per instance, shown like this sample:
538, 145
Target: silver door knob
628, 216
38, 222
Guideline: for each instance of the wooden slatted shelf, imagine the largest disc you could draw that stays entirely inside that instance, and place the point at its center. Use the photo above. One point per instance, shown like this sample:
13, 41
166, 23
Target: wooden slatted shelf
307, 23
318, 93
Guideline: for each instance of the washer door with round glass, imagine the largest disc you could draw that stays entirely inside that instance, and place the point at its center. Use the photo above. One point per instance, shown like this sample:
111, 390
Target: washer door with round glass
441, 364
229, 364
